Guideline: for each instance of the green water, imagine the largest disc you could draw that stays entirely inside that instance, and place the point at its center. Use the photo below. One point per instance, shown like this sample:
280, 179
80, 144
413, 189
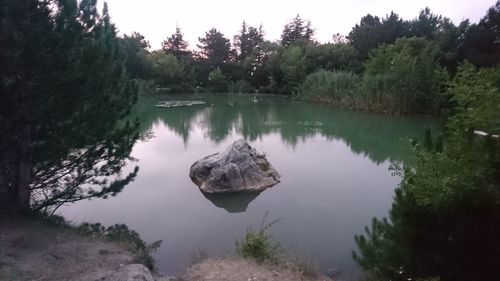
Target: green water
334, 167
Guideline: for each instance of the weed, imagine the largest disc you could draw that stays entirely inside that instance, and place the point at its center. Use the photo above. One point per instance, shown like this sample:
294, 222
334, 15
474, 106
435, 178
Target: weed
259, 245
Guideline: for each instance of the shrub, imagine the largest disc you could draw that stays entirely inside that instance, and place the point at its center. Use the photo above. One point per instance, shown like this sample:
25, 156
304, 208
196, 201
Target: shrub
258, 245
217, 81
240, 86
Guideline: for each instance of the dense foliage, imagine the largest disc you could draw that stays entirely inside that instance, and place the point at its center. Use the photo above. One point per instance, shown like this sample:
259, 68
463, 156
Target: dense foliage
64, 94
403, 64
445, 217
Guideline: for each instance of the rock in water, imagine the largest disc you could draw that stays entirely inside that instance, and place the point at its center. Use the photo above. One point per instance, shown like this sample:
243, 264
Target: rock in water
239, 168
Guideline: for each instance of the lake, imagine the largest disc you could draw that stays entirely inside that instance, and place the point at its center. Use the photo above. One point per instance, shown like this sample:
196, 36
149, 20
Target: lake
333, 165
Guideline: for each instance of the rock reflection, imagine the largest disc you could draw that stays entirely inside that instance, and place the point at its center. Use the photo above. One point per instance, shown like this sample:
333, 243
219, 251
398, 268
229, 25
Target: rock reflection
232, 202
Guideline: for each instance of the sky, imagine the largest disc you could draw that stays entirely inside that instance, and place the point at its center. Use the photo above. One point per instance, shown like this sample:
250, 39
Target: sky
157, 19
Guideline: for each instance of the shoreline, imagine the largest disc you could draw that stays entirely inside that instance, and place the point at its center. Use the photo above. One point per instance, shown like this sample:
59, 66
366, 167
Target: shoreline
40, 248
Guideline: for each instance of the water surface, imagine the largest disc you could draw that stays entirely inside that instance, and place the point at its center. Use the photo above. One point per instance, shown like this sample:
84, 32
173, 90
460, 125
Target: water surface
334, 167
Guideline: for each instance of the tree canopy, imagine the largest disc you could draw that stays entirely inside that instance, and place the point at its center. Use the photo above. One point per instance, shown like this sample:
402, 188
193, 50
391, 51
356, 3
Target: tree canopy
64, 94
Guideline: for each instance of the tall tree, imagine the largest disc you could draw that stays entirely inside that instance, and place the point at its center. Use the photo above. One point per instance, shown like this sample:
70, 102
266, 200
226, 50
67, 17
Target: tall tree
372, 32
248, 41
136, 48
63, 92
426, 24
296, 30
176, 45
215, 48
365, 35
481, 44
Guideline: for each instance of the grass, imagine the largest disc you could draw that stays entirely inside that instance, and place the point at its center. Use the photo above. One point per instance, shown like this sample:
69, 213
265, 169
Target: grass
378, 93
339, 86
258, 245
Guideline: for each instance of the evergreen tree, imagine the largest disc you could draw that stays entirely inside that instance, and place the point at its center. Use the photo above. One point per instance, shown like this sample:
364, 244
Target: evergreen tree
296, 30
63, 92
445, 217
365, 35
248, 41
136, 48
481, 41
372, 32
215, 48
176, 45
426, 24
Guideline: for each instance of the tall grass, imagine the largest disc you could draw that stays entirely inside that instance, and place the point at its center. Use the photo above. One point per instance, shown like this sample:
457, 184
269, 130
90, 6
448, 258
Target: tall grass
384, 93
338, 86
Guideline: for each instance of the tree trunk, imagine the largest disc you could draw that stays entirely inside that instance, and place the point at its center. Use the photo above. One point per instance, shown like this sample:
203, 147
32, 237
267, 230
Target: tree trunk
23, 171
15, 176
23, 188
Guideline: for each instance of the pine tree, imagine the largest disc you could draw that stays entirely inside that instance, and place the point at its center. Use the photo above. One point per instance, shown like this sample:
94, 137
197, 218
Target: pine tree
296, 30
63, 96
215, 48
176, 45
248, 41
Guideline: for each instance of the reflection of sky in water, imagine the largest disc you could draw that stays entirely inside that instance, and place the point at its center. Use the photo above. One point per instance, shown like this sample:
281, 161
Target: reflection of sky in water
327, 194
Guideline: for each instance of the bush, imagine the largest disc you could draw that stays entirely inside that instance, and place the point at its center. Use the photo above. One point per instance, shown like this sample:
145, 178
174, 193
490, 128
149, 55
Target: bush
407, 74
217, 81
258, 245
240, 86
445, 217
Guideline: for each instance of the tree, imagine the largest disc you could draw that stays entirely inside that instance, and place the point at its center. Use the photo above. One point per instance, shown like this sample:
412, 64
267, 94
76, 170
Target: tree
167, 70
449, 39
176, 45
481, 41
63, 95
445, 217
217, 81
296, 30
365, 35
332, 57
410, 72
136, 48
426, 24
215, 48
248, 42
372, 32
294, 68
339, 39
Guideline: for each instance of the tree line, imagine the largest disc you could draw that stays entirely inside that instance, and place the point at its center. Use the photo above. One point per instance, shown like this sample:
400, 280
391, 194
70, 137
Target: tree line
384, 64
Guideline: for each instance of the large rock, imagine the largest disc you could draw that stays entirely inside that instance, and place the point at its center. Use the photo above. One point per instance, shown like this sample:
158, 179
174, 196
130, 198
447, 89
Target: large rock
239, 168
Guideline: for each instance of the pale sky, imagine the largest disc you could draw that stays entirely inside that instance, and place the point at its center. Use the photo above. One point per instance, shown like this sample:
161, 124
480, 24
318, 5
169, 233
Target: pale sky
156, 19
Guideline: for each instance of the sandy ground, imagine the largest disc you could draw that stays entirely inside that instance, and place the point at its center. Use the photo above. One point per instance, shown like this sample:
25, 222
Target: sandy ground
31, 250
242, 270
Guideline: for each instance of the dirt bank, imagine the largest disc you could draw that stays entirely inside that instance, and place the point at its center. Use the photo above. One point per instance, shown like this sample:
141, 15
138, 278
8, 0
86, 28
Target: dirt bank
235, 269
31, 249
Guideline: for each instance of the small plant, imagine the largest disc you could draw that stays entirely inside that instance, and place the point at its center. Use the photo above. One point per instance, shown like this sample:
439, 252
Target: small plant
258, 245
